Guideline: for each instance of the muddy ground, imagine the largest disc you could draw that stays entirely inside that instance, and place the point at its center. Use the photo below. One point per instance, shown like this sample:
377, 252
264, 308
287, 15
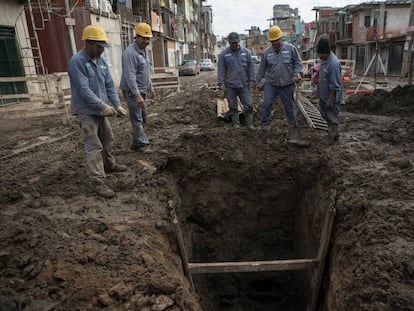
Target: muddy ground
64, 248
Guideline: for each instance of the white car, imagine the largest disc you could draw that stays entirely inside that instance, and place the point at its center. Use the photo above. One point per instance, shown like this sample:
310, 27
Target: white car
206, 64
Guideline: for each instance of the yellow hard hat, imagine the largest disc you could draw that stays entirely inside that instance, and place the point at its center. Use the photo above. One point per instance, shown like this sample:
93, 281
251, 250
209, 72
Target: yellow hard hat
275, 33
143, 30
95, 33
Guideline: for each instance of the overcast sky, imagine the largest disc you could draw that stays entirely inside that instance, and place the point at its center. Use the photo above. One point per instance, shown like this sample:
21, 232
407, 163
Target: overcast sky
239, 15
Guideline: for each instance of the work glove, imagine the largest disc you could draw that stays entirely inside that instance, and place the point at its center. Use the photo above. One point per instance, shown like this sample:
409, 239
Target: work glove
330, 103
140, 100
260, 85
152, 92
108, 111
298, 77
121, 111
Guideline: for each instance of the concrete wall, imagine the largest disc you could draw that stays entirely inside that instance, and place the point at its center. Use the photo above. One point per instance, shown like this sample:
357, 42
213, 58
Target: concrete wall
112, 55
397, 22
10, 11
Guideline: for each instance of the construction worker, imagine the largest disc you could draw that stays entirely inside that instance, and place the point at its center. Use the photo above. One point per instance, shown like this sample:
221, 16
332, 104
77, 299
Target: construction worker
92, 88
136, 84
283, 67
329, 88
235, 75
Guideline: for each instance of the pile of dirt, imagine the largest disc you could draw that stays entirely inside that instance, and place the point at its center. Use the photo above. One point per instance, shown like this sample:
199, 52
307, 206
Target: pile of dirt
399, 100
64, 248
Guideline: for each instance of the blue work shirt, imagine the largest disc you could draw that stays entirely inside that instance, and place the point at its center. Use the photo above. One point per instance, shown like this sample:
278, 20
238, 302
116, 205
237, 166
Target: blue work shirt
330, 78
91, 84
136, 70
235, 68
280, 66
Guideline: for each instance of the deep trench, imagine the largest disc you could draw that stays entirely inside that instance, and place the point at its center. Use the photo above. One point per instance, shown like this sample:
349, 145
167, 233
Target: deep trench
251, 213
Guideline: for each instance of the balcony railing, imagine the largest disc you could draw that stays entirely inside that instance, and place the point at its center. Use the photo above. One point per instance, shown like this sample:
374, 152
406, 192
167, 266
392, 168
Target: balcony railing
372, 33
367, 34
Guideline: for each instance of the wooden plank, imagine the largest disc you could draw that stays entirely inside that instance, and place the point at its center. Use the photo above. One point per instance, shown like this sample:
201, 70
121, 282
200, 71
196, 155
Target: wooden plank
24, 149
322, 252
253, 266
181, 245
21, 79
26, 95
15, 96
222, 107
165, 83
167, 87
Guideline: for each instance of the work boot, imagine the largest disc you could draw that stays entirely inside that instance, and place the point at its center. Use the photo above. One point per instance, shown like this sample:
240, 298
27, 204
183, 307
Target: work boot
140, 148
293, 135
103, 190
333, 134
249, 121
116, 168
235, 119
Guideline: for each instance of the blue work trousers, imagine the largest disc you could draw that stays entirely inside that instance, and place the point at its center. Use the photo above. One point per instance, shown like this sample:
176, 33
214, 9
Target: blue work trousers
286, 93
330, 115
98, 140
138, 118
245, 97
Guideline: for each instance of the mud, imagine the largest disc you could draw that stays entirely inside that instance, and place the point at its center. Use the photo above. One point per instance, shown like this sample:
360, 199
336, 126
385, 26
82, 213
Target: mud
239, 196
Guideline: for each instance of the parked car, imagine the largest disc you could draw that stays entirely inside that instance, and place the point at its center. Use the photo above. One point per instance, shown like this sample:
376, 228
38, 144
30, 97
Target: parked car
189, 68
206, 64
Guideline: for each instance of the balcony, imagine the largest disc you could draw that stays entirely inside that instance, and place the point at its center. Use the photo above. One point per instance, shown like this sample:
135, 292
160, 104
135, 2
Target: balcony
367, 34
372, 33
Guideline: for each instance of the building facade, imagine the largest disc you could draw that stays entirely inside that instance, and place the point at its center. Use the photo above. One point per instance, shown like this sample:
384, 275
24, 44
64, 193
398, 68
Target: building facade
38, 37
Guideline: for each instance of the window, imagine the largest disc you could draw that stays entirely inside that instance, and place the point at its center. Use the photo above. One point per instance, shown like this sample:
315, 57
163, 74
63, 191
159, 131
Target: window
367, 21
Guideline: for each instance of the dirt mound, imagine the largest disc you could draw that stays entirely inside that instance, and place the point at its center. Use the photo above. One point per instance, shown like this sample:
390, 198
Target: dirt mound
398, 101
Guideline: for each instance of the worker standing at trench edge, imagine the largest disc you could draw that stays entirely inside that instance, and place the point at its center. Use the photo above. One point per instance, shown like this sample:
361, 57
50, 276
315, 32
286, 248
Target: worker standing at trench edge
235, 76
329, 88
283, 67
136, 84
92, 88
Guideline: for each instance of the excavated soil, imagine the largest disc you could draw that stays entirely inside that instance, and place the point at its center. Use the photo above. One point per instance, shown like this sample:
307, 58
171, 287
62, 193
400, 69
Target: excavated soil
238, 195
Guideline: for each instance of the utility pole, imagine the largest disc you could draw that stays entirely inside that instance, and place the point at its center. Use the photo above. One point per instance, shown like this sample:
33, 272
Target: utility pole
70, 27
410, 43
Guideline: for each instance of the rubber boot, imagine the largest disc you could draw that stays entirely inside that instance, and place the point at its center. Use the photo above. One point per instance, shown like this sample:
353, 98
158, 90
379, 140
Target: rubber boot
139, 138
235, 119
333, 134
293, 135
249, 121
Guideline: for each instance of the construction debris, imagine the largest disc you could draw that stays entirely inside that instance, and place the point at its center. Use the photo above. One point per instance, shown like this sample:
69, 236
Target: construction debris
223, 108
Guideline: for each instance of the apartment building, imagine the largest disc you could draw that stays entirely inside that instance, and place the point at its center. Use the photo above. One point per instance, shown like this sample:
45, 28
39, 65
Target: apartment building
40, 36
360, 32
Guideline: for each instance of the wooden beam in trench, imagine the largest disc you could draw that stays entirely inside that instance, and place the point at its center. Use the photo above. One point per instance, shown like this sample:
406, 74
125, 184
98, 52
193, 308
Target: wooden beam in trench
253, 266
